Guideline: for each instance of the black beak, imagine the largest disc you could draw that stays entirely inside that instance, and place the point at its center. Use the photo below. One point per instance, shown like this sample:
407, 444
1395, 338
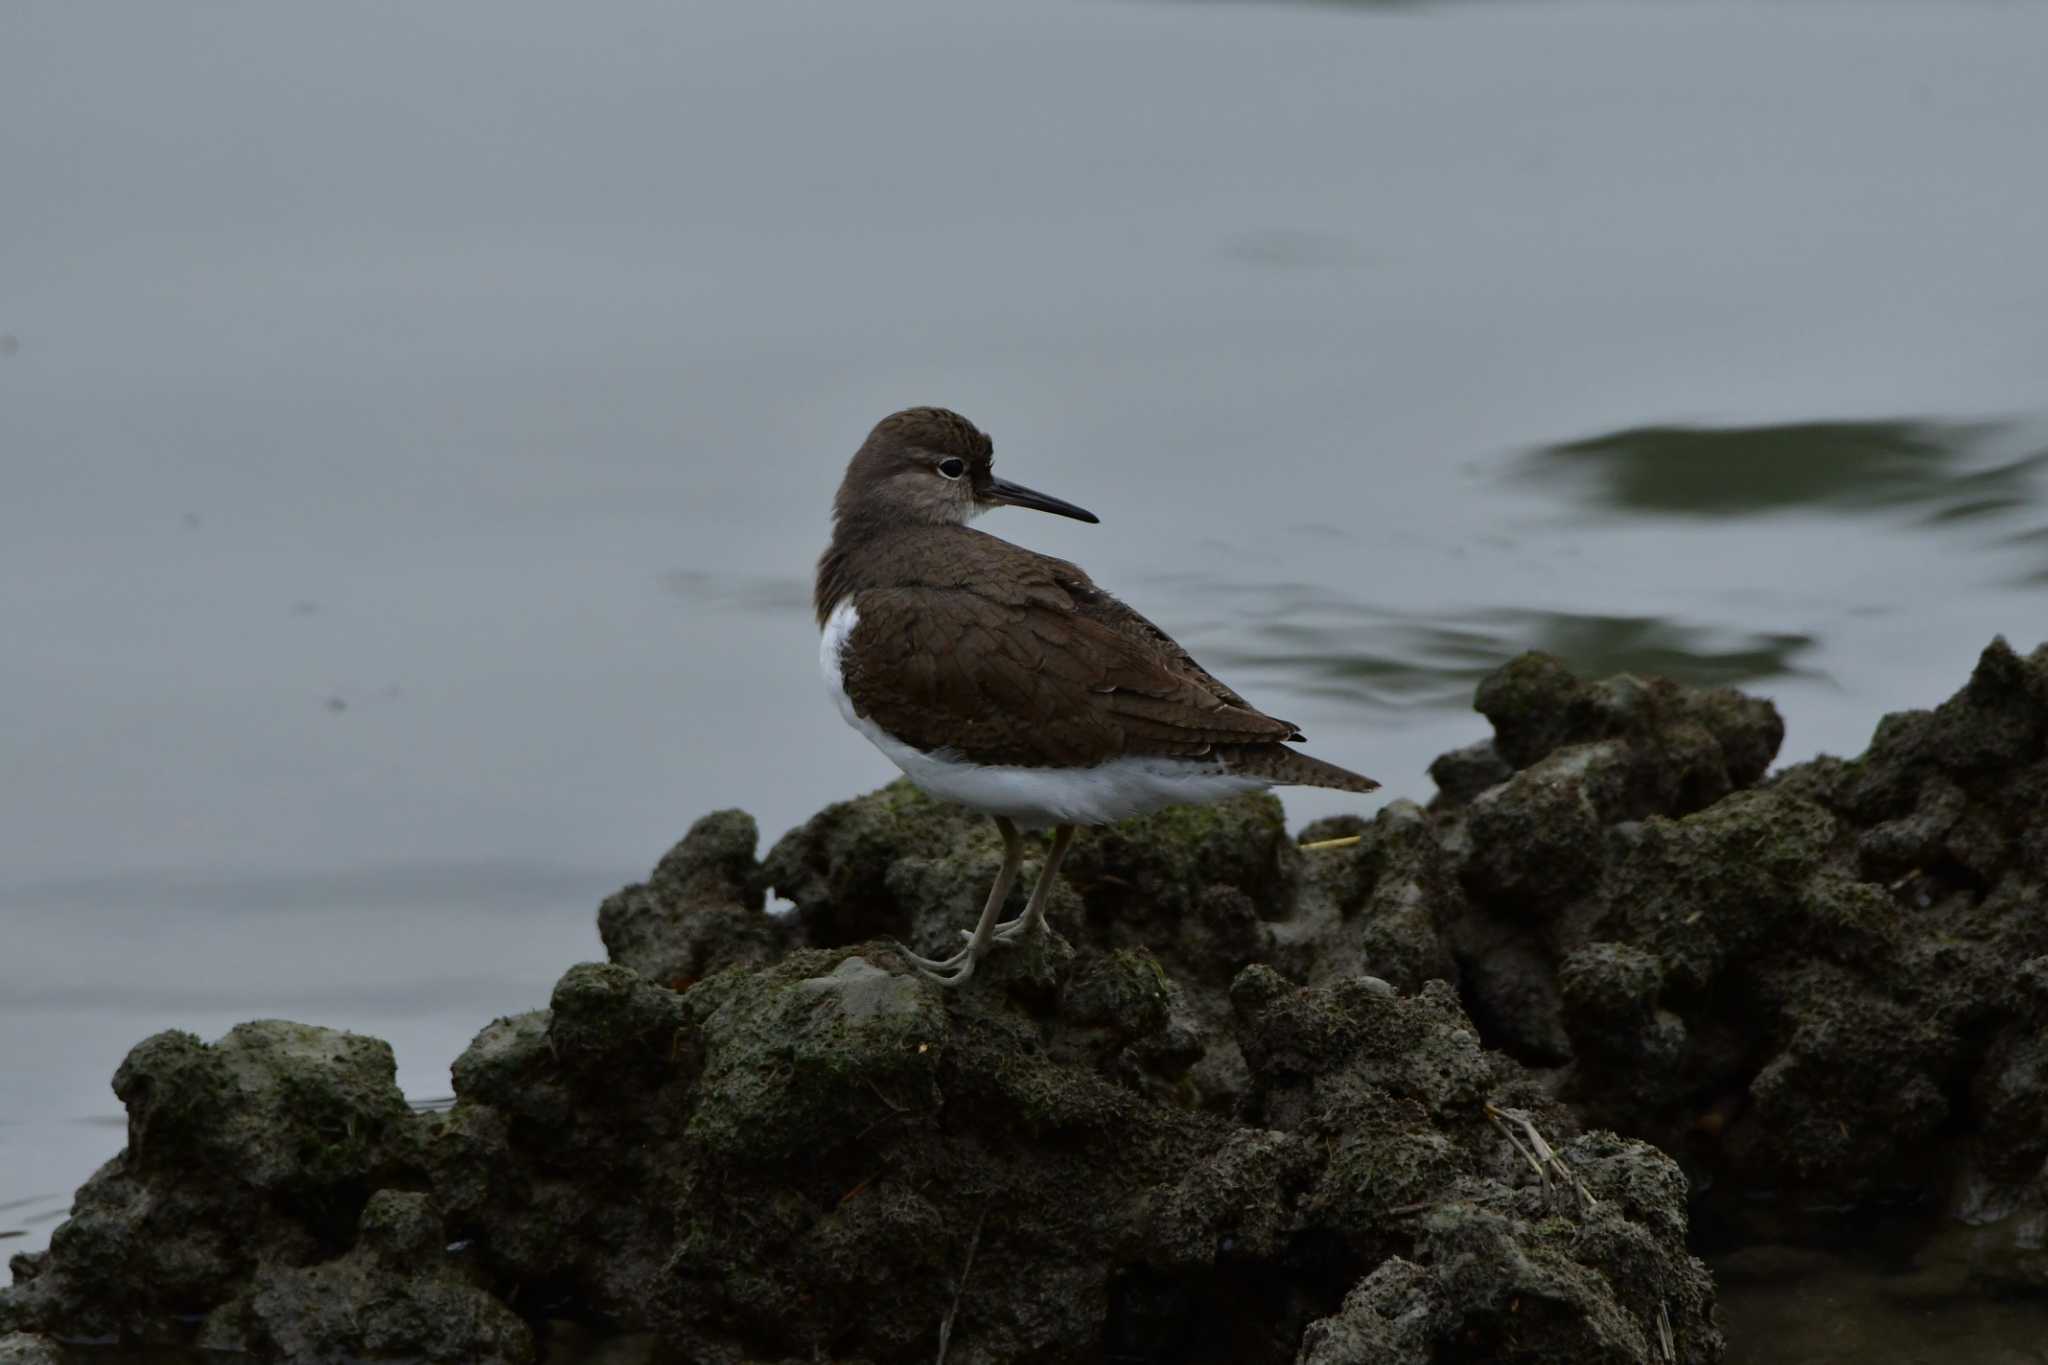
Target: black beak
1003, 493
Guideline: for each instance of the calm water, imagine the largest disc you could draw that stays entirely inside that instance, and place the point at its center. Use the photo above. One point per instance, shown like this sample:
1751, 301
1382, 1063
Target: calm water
417, 423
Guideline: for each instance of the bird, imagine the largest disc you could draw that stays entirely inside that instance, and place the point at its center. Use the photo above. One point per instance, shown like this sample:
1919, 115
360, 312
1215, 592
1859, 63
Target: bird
1005, 680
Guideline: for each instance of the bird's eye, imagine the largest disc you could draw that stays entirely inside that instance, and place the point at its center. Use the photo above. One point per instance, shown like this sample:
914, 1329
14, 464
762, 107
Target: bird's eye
953, 468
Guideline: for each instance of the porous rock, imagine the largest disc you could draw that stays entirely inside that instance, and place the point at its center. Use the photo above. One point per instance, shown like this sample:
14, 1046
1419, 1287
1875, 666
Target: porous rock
551, 1163
829, 1156
841, 867
27, 1348
1696, 743
1377, 908
1194, 889
1248, 1102
1468, 1259
700, 910
1805, 985
257, 1151
1463, 773
398, 1294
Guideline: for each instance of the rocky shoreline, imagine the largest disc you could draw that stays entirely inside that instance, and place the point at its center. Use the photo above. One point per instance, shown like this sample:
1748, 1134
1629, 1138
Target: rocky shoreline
1451, 1084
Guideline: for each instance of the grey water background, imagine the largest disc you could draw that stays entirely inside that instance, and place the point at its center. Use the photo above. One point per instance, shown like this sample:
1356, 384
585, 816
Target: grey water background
417, 424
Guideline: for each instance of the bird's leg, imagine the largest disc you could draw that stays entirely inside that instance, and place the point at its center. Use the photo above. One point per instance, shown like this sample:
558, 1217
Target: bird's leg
1034, 912
954, 970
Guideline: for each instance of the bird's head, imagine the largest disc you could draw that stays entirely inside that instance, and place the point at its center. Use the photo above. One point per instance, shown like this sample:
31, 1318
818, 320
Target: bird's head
931, 466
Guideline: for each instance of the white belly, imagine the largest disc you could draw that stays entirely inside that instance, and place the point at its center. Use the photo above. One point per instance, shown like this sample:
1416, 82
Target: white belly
1107, 792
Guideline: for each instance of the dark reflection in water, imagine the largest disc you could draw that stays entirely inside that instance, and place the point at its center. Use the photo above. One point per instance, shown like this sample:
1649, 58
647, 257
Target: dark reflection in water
19, 1217
1949, 471
12, 1211
1315, 644
1303, 640
2035, 542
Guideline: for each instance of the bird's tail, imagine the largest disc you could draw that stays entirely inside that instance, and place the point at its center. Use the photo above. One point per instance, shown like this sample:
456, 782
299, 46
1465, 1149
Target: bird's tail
1284, 767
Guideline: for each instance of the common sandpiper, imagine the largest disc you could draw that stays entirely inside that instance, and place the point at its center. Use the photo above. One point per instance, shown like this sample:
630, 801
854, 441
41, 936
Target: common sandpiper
1006, 681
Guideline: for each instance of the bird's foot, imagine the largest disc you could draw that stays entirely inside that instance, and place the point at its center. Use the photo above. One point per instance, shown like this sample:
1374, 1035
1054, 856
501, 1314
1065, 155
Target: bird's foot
950, 971
1009, 933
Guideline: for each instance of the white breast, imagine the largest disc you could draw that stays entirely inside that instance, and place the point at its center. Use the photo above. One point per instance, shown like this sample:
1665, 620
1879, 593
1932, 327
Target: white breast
1107, 792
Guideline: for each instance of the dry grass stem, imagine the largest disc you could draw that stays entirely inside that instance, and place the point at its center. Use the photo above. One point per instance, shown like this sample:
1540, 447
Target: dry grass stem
946, 1324
1550, 1168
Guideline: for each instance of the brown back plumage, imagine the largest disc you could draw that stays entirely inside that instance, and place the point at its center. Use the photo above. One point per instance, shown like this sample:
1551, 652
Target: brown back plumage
970, 644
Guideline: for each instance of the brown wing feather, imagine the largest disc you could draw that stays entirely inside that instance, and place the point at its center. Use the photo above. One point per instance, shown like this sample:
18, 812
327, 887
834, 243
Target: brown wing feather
1028, 682
1118, 615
